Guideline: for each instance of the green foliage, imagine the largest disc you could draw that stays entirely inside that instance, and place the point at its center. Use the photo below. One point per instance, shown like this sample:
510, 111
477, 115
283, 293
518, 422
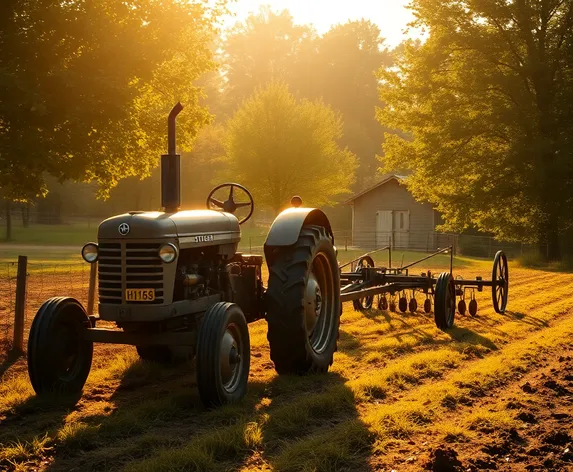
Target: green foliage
279, 146
338, 68
485, 101
267, 46
86, 87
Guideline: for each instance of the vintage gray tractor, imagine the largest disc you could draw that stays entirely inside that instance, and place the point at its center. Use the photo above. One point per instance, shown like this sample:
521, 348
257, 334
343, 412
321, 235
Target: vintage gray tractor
175, 286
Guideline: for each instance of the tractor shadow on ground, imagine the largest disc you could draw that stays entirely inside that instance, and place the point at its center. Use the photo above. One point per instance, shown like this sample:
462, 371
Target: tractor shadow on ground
468, 336
313, 424
409, 335
34, 418
152, 409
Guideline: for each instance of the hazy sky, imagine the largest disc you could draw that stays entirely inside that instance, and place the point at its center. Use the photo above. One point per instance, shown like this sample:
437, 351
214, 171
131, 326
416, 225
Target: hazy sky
389, 15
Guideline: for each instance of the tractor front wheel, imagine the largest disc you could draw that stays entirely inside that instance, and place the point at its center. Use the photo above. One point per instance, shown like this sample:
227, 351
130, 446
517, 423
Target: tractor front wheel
303, 303
59, 357
223, 355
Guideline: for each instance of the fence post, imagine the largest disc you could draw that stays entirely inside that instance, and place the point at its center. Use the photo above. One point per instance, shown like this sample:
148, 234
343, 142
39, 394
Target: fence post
20, 309
346, 244
92, 289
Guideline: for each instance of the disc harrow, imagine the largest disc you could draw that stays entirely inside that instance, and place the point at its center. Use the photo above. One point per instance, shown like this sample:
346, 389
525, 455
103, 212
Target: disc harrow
395, 288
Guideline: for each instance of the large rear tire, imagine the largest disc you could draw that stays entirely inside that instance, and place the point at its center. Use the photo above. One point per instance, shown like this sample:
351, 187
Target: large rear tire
223, 355
59, 358
303, 304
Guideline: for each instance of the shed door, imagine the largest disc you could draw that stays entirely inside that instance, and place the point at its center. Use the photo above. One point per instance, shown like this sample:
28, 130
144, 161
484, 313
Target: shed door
383, 228
402, 229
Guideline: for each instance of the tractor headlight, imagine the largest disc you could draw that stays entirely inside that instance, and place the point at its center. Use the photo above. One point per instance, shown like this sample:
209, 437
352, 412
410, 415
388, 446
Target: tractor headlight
90, 252
168, 253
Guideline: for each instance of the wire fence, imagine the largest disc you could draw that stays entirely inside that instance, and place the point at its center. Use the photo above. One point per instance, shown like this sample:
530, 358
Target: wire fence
418, 241
7, 303
43, 281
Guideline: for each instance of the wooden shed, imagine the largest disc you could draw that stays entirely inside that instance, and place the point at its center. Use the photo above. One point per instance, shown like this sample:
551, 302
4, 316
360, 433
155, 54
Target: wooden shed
388, 213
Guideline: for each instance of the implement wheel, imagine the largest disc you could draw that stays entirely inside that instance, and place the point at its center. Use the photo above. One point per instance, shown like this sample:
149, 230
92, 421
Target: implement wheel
500, 277
413, 305
303, 303
473, 307
59, 359
445, 301
364, 304
427, 305
223, 355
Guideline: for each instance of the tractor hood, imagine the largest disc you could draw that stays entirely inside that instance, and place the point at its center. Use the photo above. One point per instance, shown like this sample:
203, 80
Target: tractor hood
153, 225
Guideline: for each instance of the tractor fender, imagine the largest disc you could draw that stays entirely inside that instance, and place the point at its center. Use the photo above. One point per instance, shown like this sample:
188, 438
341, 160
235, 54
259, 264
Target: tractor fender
286, 228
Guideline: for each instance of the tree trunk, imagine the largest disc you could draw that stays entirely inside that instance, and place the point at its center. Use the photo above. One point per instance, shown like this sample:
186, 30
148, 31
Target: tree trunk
25, 209
553, 245
549, 243
8, 220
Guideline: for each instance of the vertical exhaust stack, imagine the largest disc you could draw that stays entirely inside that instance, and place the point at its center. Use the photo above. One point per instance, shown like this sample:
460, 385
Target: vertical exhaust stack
171, 167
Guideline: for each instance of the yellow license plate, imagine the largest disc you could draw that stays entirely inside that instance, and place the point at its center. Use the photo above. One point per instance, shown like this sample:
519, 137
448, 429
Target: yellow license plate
140, 294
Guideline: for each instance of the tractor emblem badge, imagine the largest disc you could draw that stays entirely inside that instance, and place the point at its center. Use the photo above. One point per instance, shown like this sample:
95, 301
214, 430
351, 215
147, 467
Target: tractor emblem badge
123, 229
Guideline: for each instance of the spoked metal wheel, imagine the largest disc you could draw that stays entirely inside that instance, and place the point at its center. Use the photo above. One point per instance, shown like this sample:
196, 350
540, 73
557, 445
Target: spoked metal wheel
500, 278
303, 303
364, 304
59, 358
445, 301
223, 355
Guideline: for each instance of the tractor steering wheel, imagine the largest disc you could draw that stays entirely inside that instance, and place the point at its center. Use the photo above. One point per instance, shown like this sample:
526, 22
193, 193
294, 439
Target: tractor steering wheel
230, 205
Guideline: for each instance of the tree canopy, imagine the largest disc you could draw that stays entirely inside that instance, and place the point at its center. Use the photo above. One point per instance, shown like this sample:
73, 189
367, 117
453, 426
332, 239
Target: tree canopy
485, 102
279, 146
86, 86
338, 68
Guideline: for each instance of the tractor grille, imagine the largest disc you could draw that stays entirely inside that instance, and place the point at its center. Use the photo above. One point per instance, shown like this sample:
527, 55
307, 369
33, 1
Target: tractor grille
123, 266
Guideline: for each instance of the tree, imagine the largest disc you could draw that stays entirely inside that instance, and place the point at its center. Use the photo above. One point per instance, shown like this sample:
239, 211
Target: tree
279, 146
86, 87
486, 101
266, 47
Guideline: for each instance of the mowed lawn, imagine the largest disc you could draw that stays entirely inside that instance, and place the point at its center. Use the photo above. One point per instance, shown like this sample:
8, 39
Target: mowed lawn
397, 388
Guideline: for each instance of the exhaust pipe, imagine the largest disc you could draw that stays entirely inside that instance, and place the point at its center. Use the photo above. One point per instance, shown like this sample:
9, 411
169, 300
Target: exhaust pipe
171, 167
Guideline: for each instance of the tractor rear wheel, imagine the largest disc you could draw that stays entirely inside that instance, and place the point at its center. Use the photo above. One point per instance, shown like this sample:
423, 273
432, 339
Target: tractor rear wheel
223, 355
445, 301
59, 358
303, 304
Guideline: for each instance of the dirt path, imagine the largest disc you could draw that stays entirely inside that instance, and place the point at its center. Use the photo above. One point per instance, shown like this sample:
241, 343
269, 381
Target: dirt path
539, 437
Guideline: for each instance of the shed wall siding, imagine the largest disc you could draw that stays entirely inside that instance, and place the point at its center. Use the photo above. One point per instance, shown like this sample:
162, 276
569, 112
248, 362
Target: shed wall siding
392, 196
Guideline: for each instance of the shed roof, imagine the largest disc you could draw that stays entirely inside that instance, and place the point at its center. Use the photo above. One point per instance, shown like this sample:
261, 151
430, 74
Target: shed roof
385, 179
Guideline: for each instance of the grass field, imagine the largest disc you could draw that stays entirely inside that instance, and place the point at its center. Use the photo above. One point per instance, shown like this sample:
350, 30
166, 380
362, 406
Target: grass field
401, 395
